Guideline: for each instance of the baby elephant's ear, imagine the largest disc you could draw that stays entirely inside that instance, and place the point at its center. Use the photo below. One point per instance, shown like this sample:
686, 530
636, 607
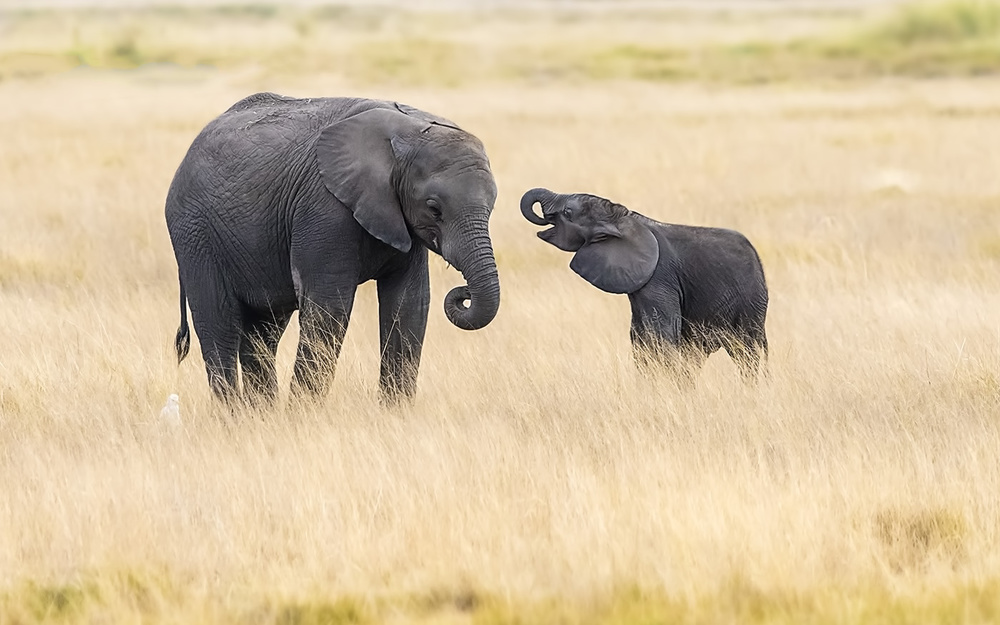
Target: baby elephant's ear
620, 262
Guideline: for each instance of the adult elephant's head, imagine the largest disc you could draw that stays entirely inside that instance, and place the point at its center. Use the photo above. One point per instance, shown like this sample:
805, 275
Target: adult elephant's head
409, 174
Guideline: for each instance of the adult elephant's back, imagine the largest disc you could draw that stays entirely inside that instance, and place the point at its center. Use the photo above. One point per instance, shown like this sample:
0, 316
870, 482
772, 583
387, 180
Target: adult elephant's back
245, 155
244, 174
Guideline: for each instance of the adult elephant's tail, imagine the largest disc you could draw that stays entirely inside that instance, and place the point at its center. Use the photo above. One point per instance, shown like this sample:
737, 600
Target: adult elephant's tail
182, 342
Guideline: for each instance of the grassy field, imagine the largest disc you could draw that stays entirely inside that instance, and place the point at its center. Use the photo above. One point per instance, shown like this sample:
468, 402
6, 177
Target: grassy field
537, 478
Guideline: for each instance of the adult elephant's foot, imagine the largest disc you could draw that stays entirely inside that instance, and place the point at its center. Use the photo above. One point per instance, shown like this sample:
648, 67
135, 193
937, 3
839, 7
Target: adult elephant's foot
397, 390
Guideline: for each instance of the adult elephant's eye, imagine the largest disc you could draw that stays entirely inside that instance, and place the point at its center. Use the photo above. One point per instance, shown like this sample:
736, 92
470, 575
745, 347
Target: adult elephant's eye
435, 209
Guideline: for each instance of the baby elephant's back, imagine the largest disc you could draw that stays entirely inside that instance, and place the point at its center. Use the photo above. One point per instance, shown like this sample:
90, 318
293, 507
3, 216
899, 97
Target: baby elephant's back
721, 276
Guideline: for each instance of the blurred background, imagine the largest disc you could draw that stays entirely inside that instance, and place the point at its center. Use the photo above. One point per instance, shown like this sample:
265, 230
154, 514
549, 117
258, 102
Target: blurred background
455, 43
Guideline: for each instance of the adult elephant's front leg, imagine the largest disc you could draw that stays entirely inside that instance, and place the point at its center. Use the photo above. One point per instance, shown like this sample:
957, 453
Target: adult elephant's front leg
322, 326
403, 302
324, 267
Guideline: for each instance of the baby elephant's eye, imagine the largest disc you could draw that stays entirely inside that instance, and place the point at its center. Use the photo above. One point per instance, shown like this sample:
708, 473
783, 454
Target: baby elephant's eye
567, 212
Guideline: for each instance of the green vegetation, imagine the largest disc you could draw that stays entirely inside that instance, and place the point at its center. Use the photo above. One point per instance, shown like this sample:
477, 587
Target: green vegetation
957, 21
54, 603
960, 37
736, 601
923, 40
951, 38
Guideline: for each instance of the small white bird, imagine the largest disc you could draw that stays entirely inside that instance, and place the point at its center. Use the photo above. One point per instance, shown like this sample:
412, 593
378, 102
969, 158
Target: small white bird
171, 413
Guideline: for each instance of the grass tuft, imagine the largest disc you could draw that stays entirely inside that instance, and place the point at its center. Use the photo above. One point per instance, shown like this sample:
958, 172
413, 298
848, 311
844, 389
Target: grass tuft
50, 603
343, 611
914, 540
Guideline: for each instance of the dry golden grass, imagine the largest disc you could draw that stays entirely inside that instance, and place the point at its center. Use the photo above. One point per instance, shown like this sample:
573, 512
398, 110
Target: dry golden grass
537, 478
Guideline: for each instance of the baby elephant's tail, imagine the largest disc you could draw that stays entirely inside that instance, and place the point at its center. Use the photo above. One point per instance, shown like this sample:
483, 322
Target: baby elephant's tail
183, 340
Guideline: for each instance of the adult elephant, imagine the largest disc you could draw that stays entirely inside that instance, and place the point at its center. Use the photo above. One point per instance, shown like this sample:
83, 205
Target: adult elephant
285, 204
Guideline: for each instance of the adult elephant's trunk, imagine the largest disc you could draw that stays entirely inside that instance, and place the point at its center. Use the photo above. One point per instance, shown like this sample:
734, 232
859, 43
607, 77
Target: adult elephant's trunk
543, 196
474, 258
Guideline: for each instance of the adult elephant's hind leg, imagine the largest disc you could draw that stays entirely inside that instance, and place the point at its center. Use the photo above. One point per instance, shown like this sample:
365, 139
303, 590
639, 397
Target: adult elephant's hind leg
218, 322
403, 302
258, 348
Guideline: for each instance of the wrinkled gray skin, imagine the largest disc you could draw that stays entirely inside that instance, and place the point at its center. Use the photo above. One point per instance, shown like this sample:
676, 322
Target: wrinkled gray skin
693, 290
286, 204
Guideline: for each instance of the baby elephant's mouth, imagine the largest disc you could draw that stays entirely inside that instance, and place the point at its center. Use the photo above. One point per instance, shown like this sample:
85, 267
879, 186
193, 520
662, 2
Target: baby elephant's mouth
547, 234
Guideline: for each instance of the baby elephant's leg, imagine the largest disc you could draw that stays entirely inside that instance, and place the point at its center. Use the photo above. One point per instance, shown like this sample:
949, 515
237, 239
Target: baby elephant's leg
656, 333
748, 349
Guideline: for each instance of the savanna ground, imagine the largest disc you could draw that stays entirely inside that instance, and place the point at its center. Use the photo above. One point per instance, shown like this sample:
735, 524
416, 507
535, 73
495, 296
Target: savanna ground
537, 478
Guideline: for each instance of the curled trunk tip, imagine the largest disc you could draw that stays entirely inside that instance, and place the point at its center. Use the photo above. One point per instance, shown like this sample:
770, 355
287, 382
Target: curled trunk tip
478, 314
528, 200
473, 256
455, 308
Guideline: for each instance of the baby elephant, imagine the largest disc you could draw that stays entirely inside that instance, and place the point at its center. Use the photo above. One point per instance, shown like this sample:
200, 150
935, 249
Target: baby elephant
692, 290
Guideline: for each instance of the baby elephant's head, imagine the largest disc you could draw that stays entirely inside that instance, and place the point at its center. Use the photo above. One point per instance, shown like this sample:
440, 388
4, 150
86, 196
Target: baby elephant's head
615, 251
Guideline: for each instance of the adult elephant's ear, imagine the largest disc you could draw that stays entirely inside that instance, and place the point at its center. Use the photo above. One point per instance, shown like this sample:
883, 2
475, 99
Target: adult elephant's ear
406, 109
620, 259
356, 162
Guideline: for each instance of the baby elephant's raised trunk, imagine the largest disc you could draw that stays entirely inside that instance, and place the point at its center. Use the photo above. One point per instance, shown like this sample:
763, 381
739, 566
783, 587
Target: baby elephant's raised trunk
543, 197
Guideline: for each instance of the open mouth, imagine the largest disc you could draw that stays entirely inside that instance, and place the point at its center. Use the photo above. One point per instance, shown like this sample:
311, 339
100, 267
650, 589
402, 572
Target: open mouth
547, 234
433, 241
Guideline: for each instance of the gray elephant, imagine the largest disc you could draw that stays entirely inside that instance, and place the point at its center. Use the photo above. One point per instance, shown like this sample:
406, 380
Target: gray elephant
693, 290
285, 204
